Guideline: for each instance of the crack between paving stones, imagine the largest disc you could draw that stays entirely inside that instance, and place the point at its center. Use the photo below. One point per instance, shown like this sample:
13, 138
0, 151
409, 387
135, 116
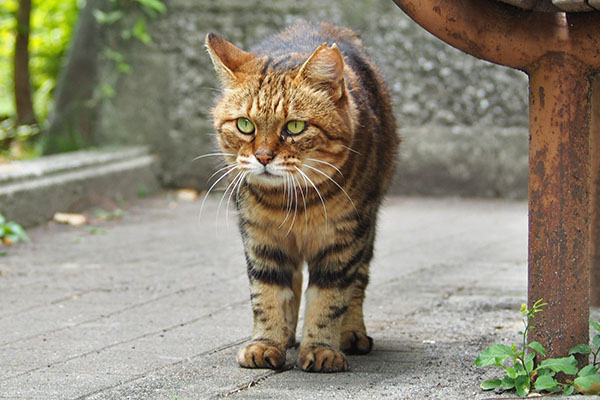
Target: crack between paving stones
163, 330
82, 293
254, 382
104, 316
146, 373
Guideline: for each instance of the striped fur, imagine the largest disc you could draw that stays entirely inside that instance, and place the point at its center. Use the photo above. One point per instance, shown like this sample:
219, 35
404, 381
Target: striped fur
311, 198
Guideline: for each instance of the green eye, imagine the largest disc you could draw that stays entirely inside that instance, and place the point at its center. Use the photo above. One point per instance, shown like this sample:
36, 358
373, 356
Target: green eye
245, 126
295, 127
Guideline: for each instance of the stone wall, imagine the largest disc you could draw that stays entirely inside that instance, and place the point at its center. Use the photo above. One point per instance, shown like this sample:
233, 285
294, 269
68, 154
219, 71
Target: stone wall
464, 121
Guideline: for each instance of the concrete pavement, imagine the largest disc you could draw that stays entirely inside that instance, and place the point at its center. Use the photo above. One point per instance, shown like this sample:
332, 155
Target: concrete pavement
156, 305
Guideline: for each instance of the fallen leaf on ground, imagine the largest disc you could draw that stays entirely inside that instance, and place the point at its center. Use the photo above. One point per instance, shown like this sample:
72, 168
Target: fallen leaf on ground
70, 218
187, 195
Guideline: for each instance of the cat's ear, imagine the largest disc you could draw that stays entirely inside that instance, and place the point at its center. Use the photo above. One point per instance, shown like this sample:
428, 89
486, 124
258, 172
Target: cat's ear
325, 66
227, 58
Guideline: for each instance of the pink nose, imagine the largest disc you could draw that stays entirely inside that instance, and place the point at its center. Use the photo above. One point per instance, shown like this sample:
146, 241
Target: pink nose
263, 156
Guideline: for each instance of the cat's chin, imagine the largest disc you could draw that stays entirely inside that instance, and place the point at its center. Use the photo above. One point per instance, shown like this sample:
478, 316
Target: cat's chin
266, 179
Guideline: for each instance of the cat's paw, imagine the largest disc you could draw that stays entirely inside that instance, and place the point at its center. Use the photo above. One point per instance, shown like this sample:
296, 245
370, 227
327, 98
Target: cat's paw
353, 342
261, 355
322, 359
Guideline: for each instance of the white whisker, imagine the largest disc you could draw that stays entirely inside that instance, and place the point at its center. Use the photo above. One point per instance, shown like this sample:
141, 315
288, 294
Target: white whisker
326, 163
230, 185
303, 201
211, 188
336, 184
287, 197
221, 169
236, 181
351, 149
293, 182
212, 155
237, 193
316, 190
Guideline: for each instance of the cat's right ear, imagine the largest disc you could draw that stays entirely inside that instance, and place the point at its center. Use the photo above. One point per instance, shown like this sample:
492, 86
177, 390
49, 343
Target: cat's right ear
227, 58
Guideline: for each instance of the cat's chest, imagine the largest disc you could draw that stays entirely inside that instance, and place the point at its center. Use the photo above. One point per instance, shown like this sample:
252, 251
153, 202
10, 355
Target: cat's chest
289, 214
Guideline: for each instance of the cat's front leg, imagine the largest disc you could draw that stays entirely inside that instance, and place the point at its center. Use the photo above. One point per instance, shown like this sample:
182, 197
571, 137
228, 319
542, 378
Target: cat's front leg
320, 347
275, 285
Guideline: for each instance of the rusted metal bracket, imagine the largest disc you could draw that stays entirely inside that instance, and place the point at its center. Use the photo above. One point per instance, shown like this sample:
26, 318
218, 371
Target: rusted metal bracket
595, 153
561, 54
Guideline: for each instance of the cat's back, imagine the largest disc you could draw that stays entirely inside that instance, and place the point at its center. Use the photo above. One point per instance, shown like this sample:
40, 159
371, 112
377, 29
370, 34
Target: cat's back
290, 48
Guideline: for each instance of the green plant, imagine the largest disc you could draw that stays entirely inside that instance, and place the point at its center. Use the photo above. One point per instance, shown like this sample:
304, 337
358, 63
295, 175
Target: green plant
134, 24
104, 215
524, 376
11, 232
51, 28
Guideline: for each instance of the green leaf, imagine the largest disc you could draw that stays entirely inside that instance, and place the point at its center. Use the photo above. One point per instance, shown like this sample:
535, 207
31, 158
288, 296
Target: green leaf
596, 340
529, 361
494, 355
156, 5
507, 383
544, 372
596, 325
546, 383
568, 365
140, 31
17, 231
568, 390
511, 372
586, 381
2, 219
580, 349
108, 18
588, 370
537, 346
522, 385
490, 384
108, 91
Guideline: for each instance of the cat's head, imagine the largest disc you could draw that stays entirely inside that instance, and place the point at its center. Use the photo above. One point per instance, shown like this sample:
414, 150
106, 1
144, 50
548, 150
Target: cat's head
274, 122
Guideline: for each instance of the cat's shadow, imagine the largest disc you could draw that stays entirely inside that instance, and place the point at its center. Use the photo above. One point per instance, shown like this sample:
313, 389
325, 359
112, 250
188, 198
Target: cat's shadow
390, 358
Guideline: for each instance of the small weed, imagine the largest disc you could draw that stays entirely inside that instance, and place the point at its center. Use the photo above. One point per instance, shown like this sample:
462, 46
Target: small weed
142, 191
94, 230
104, 215
11, 232
524, 377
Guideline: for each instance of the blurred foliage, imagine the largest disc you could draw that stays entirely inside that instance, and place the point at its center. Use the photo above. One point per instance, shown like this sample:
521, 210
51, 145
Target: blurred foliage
130, 28
11, 232
52, 24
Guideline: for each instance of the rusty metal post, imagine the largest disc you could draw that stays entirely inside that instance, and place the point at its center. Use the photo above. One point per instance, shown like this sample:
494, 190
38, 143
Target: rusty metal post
595, 153
559, 200
561, 53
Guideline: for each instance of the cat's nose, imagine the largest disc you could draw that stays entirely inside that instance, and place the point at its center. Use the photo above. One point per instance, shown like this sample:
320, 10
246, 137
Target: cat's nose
264, 156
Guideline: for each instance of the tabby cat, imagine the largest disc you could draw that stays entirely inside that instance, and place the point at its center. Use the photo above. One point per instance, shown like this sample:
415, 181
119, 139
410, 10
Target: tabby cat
306, 129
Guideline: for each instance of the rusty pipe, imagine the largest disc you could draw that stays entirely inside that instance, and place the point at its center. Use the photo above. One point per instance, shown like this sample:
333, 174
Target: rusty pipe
595, 154
561, 53
506, 35
559, 201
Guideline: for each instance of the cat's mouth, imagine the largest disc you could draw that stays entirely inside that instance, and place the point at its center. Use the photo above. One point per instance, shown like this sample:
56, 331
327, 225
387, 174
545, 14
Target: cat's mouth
267, 177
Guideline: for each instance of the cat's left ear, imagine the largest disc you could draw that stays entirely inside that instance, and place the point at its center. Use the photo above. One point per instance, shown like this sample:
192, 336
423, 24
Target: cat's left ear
325, 66
227, 58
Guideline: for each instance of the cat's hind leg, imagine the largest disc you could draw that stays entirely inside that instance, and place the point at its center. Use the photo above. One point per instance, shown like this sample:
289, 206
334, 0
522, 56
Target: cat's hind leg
354, 339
